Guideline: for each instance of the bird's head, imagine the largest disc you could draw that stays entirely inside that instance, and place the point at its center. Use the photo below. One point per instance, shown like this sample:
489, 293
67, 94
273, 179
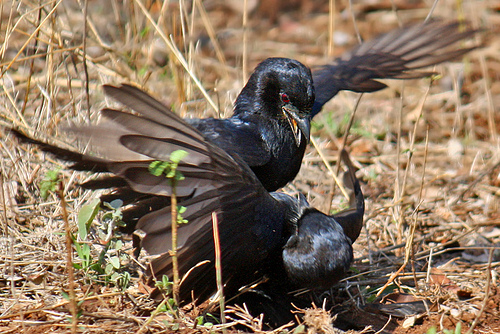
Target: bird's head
281, 89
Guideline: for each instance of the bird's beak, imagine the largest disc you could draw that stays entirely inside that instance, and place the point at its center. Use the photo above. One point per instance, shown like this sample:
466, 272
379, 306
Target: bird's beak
301, 126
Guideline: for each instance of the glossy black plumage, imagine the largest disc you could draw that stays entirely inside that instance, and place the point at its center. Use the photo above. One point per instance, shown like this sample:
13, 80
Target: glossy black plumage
319, 251
271, 122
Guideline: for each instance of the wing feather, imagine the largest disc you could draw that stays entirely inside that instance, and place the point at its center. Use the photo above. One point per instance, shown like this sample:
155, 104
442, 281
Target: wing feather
394, 55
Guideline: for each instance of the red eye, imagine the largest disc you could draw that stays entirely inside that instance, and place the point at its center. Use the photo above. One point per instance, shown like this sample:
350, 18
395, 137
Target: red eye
285, 98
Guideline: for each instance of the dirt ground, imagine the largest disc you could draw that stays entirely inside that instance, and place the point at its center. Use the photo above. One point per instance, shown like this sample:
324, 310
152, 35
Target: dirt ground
428, 153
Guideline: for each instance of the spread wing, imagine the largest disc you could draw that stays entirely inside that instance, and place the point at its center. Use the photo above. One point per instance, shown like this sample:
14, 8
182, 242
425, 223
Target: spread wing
394, 55
250, 220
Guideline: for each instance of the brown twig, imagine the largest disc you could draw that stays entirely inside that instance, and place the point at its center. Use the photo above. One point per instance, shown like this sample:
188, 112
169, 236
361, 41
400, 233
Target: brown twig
69, 258
330, 169
84, 61
173, 251
218, 269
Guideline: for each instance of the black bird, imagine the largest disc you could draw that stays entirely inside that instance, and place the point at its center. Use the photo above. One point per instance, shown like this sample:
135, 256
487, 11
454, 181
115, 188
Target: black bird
255, 226
270, 126
318, 253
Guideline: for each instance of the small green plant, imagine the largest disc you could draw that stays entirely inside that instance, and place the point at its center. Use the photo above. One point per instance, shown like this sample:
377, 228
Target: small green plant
85, 217
372, 174
79, 304
432, 330
49, 183
106, 267
300, 329
144, 31
143, 71
169, 169
180, 210
457, 330
203, 320
166, 286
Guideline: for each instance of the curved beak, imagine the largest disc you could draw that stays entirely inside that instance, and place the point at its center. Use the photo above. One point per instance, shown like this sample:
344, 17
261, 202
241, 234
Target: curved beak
301, 126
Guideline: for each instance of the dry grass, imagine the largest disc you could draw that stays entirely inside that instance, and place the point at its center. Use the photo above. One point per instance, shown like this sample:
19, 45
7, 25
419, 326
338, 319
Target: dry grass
428, 153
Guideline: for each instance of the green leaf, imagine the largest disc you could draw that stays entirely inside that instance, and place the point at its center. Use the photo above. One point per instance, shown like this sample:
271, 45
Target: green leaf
124, 280
171, 172
97, 268
115, 262
169, 168
180, 211
65, 295
299, 329
163, 308
49, 182
83, 252
158, 167
458, 329
143, 71
115, 204
144, 31
86, 216
118, 245
177, 156
109, 269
